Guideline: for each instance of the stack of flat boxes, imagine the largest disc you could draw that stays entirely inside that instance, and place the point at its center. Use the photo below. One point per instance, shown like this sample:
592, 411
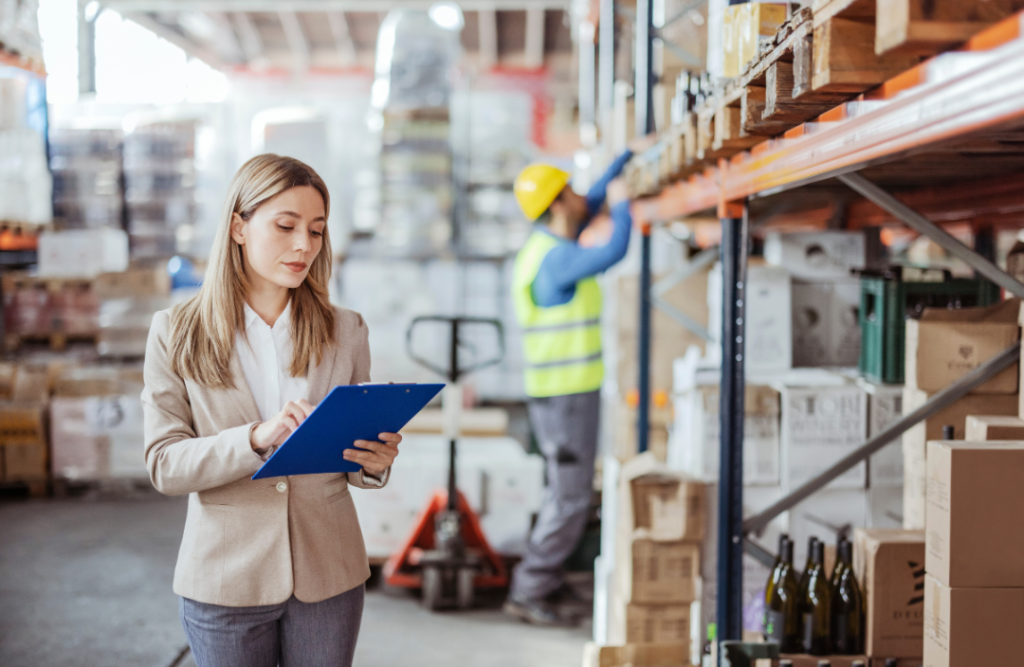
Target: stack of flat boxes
657, 562
974, 587
942, 347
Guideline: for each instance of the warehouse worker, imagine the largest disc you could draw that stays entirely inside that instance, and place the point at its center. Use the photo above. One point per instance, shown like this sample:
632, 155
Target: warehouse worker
558, 305
271, 572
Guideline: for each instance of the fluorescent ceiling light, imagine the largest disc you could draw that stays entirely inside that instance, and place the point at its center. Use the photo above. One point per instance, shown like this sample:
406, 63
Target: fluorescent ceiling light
447, 15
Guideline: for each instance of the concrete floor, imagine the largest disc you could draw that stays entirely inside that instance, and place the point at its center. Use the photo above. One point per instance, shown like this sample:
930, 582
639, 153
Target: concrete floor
87, 581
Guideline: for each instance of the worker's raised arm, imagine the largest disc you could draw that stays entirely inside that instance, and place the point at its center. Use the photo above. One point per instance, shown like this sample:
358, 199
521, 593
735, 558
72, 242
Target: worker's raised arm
568, 263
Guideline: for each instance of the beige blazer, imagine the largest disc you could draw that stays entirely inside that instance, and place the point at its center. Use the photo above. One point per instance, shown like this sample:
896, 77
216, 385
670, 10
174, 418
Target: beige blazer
248, 542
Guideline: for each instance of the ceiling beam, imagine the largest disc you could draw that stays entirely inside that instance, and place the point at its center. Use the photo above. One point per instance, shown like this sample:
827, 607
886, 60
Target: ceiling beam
487, 28
534, 47
296, 38
249, 37
169, 33
342, 38
272, 6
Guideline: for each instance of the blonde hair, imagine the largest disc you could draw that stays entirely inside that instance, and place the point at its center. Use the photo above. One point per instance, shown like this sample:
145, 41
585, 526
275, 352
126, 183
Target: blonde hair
203, 329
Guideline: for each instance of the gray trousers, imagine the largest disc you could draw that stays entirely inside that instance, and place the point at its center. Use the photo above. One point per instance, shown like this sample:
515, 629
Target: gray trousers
290, 634
566, 430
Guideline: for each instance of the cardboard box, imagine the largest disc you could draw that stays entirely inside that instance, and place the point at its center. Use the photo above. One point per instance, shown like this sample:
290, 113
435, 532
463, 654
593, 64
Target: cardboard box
657, 623
980, 428
885, 408
915, 442
636, 655
694, 443
915, 486
24, 462
669, 339
82, 253
134, 282
821, 425
970, 627
975, 517
668, 508
745, 27
659, 572
769, 326
22, 423
945, 345
889, 565
816, 256
825, 328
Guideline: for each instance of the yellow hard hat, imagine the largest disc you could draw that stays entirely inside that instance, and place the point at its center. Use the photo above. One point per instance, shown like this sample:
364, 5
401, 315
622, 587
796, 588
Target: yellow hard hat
537, 186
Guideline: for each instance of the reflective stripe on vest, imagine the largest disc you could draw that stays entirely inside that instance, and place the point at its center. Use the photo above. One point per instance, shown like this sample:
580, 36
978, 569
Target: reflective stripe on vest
561, 344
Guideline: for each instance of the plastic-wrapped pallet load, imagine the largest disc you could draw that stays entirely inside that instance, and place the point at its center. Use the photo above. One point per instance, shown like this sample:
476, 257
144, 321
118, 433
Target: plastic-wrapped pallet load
25, 182
160, 184
87, 172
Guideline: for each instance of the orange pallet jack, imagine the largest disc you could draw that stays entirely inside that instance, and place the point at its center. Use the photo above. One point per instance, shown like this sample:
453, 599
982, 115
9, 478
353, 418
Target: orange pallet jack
447, 554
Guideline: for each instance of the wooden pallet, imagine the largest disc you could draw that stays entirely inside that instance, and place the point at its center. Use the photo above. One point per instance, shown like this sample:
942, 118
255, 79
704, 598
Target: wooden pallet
55, 341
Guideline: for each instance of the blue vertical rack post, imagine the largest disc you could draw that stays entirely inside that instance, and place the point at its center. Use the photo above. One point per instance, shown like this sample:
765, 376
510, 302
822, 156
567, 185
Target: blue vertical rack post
644, 107
729, 610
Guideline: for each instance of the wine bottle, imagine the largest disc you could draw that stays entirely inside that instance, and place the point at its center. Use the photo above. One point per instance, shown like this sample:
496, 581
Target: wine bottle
807, 566
837, 569
815, 611
847, 608
781, 615
769, 588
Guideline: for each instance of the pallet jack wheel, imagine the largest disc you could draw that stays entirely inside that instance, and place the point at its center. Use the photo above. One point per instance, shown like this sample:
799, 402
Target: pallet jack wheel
464, 587
433, 588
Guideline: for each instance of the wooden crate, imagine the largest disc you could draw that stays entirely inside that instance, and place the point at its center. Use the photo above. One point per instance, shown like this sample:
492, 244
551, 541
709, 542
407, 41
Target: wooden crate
25, 463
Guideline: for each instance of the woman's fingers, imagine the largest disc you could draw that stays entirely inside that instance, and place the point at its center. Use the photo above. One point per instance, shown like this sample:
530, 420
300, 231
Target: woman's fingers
379, 447
391, 438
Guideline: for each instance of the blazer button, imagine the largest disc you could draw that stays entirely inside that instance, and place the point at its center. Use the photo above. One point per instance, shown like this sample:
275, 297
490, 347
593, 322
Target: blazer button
282, 486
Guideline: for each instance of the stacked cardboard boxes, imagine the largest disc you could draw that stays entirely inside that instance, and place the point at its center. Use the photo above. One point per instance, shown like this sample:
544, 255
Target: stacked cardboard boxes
942, 347
656, 578
96, 424
889, 565
974, 589
825, 296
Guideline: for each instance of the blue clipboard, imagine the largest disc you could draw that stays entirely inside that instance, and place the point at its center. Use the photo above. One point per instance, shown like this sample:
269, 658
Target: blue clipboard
348, 413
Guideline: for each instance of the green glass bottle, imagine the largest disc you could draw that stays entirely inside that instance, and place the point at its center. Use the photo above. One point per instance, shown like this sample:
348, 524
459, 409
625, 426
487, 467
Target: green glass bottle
769, 588
840, 564
815, 611
807, 566
781, 614
847, 609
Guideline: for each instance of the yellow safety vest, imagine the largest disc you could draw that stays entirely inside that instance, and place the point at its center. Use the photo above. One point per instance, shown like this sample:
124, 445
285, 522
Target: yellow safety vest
561, 344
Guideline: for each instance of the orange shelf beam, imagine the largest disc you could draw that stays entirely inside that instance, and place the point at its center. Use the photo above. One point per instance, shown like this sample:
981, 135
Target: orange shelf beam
979, 86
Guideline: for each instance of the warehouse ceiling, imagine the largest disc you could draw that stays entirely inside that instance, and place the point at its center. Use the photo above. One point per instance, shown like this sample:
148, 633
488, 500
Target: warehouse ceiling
264, 35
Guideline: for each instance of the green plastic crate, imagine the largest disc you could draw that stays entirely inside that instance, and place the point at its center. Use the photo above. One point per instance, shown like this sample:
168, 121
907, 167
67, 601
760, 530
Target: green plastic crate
885, 305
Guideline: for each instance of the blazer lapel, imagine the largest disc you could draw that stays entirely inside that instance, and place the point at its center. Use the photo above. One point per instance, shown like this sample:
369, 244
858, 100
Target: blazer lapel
241, 395
319, 376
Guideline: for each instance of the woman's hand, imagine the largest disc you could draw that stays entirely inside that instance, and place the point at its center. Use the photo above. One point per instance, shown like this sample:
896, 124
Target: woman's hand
379, 455
276, 430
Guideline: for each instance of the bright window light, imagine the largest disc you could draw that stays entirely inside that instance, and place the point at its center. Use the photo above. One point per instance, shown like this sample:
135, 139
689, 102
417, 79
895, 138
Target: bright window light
134, 66
447, 15
204, 83
58, 26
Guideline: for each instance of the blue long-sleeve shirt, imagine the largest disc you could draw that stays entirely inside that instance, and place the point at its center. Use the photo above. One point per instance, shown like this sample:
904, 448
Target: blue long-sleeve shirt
568, 262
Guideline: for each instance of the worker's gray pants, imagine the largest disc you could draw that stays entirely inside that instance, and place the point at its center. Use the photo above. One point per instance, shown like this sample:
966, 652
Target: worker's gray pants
566, 430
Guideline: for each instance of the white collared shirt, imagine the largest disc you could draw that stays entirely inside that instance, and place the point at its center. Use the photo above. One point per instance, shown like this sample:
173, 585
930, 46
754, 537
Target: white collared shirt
266, 355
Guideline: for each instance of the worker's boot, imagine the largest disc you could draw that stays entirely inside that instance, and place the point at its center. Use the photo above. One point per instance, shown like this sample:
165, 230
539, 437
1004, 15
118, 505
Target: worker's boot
568, 602
538, 612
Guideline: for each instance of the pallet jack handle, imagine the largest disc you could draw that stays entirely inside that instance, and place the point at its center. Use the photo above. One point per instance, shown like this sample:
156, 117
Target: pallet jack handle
454, 372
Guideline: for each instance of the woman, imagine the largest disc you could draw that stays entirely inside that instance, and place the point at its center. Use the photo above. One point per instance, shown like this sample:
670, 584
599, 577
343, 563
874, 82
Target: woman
269, 571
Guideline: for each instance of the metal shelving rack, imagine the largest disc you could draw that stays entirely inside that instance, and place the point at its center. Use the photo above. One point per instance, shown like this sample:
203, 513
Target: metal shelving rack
959, 113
